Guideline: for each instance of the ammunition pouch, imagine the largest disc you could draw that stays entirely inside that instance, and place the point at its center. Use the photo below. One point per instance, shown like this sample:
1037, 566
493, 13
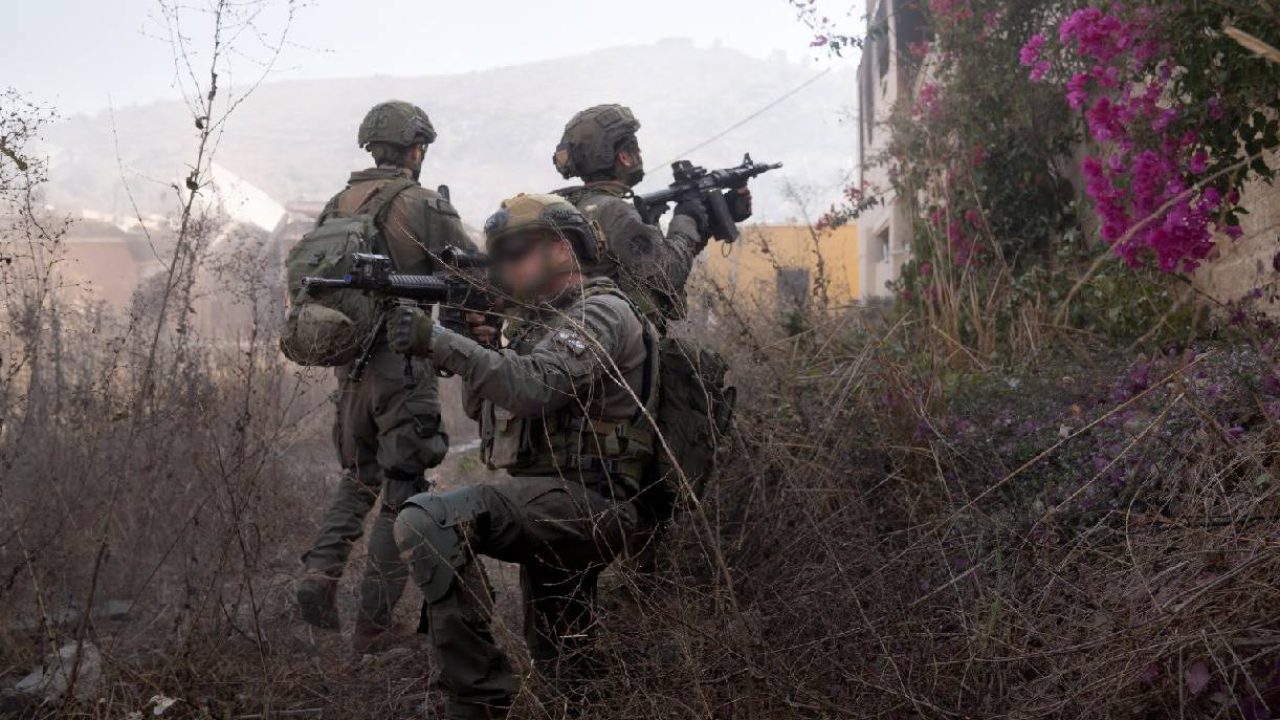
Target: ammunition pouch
564, 444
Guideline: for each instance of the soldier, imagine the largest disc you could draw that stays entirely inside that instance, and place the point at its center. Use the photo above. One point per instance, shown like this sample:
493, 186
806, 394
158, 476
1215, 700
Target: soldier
387, 435
600, 147
561, 410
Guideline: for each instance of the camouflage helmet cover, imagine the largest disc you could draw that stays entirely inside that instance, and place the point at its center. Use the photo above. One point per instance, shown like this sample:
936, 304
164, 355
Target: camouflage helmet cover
545, 212
590, 139
397, 123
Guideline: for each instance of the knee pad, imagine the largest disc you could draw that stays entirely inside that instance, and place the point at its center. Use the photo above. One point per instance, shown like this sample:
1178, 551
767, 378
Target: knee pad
431, 533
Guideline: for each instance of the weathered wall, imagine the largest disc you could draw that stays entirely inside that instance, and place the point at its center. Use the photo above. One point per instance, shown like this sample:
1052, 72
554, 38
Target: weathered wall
750, 269
1249, 262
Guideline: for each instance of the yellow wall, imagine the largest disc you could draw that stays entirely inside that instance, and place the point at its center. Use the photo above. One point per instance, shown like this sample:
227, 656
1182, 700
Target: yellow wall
748, 269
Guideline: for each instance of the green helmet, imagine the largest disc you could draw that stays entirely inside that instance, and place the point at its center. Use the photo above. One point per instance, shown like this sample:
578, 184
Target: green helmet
545, 212
396, 122
591, 137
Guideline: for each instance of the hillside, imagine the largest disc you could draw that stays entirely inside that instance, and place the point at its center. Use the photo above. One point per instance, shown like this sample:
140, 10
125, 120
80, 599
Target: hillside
498, 129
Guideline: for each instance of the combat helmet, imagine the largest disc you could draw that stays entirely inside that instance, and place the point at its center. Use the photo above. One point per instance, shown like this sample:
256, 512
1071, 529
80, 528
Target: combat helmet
545, 212
591, 137
398, 123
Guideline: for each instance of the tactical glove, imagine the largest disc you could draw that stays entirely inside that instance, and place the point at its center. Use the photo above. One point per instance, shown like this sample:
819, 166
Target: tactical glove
409, 331
695, 210
739, 201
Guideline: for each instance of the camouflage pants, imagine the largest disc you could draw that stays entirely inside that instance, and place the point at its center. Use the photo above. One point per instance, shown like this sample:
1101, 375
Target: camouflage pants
562, 534
386, 436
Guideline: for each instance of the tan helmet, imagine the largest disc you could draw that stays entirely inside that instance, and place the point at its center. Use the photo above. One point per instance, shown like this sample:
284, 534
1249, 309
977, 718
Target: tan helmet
591, 138
396, 122
545, 212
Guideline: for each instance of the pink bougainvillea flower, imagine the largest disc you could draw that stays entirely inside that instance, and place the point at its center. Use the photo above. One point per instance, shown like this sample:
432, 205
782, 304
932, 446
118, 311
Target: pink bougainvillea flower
1142, 179
1078, 90
1030, 53
928, 99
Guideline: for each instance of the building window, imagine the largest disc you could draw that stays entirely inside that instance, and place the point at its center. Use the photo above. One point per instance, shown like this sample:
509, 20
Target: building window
911, 26
793, 289
882, 243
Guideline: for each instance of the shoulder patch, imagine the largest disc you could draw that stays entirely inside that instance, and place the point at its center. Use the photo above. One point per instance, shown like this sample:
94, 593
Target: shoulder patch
570, 339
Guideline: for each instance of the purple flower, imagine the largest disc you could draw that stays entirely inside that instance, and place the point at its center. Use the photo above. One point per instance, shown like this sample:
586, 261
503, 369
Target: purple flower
1141, 189
1164, 120
1215, 109
1078, 90
1104, 124
1030, 53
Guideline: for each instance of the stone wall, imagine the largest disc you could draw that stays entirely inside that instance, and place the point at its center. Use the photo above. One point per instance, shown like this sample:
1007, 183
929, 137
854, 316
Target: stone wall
1250, 262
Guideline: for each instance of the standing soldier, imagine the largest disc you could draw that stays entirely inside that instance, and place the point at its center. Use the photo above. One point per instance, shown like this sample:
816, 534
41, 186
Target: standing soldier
563, 410
387, 433
600, 147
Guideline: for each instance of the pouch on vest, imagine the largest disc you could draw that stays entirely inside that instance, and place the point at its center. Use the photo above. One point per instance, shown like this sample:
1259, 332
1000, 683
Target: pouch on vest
327, 330
505, 442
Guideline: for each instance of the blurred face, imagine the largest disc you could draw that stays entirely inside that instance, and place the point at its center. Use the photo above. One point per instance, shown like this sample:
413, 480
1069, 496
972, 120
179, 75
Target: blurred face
528, 264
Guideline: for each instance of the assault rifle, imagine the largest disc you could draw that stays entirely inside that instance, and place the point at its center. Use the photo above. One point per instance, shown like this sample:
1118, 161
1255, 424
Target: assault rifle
698, 183
458, 290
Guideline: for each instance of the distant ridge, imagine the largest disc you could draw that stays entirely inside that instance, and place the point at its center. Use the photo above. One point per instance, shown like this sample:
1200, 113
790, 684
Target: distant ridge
296, 139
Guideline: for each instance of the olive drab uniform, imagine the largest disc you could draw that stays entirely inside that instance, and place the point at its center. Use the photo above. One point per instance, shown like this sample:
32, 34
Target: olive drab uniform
653, 269
650, 267
561, 414
386, 435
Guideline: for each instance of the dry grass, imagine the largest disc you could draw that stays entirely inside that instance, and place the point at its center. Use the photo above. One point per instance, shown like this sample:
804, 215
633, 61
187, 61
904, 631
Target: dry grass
904, 526
902, 538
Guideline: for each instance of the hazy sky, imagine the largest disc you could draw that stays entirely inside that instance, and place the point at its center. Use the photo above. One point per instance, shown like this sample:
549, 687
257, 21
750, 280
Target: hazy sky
80, 54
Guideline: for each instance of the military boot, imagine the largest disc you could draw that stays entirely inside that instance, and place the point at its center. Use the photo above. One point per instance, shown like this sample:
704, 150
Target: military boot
372, 639
317, 601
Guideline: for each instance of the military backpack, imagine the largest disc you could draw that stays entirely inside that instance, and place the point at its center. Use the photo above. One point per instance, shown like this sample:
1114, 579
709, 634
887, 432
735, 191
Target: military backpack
329, 330
694, 415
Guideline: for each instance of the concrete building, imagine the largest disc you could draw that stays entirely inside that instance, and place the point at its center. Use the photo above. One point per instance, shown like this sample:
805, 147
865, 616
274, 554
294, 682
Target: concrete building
884, 80
103, 262
785, 267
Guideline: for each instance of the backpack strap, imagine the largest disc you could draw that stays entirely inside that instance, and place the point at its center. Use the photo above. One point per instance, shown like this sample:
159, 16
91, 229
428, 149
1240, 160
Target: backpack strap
379, 203
652, 340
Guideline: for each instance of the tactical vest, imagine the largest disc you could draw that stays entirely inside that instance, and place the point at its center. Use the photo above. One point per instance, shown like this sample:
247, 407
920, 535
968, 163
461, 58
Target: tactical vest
652, 305
569, 443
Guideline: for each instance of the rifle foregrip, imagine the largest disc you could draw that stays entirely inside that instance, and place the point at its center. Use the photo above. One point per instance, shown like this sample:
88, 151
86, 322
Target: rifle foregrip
722, 225
426, 288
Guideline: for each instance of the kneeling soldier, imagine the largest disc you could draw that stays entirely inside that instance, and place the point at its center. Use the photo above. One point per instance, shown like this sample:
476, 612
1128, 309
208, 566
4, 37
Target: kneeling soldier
564, 410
